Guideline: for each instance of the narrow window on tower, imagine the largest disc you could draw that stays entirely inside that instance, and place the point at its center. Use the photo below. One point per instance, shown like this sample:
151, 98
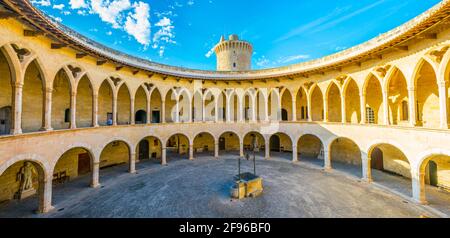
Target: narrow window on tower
234, 65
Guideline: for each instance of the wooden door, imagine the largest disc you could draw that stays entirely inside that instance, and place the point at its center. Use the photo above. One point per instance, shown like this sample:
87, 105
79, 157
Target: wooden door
84, 163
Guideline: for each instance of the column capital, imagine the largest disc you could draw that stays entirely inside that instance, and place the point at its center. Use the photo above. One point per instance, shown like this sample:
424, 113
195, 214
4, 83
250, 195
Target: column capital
18, 84
74, 94
48, 90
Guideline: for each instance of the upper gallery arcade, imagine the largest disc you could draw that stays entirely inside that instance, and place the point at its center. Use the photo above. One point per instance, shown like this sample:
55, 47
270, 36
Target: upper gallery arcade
62, 96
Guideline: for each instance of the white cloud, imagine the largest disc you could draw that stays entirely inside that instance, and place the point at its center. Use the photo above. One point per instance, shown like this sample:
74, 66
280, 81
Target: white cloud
165, 34
76, 4
58, 6
44, 3
263, 62
210, 52
190, 2
110, 11
291, 58
109, 33
138, 24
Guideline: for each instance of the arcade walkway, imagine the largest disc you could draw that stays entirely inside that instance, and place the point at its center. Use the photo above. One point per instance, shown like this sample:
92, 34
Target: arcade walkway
200, 188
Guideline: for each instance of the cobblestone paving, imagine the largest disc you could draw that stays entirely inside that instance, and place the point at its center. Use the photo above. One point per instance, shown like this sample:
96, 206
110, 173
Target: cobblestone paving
200, 188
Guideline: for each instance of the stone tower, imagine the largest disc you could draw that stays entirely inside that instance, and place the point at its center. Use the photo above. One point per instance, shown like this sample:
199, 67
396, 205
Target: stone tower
233, 54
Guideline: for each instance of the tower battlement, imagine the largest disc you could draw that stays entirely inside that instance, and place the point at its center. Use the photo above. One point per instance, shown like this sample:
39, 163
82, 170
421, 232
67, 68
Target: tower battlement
233, 54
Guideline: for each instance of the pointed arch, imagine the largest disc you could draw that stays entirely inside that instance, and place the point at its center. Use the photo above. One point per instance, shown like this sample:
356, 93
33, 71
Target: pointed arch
317, 110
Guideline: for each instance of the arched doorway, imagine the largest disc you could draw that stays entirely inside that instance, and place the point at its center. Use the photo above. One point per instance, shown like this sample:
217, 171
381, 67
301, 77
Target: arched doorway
427, 97
140, 117
316, 104
15, 190
204, 145
74, 164
435, 179
5, 96
33, 98
140, 106
149, 152
144, 150
334, 104
248, 140
123, 105
345, 156
61, 101
229, 143
177, 147
374, 101
105, 104
310, 149
84, 103
5, 120
398, 99
302, 105
275, 143
156, 106
281, 146
352, 102
390, 167
115, 154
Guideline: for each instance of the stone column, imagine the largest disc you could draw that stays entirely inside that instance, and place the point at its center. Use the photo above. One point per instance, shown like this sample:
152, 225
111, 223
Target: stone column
163, 111
163, 155
294, 153
326, 159
266, 110
240, 107
73, 110
203, 111
48, 110
191, 115
177, 111
366, 169
343, 111
149, 110
17, 109
294, 109
216, 150
267, 148
309, 111
241, 149
115, 109
216, 111
95, 174
45, 195
325, 109
228, 110
362, 100
132, 165
254, 107
191, 151
418, 187
95, 110
412, 106
385, 108
132, 119
443, 104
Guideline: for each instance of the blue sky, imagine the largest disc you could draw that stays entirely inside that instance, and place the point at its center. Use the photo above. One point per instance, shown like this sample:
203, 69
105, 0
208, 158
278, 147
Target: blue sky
182, 32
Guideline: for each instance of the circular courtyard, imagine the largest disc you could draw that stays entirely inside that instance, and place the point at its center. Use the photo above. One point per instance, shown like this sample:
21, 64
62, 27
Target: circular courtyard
201, 188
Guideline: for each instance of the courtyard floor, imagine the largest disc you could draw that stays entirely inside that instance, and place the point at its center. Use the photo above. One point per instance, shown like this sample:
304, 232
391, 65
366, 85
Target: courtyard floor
201, 188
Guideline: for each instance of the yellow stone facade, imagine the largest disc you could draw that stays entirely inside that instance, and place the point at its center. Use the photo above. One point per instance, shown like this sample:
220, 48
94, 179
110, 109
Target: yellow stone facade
388, 98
